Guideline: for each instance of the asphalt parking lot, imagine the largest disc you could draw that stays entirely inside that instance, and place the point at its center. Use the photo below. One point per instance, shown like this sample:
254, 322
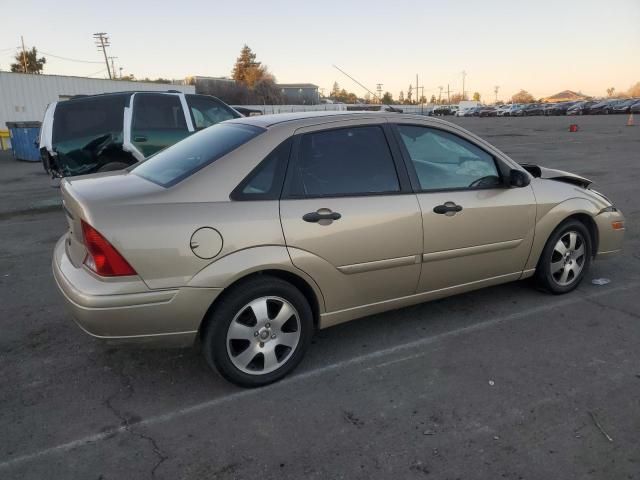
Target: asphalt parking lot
506, 382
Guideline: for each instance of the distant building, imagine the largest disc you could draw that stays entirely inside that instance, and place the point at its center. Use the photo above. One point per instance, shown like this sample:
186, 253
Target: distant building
565, 96
228, 90
211, 85
24, 97
299, 93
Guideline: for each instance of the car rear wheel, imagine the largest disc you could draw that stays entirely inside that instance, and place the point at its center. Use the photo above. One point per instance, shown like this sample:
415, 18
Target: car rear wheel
565, 259
258, 332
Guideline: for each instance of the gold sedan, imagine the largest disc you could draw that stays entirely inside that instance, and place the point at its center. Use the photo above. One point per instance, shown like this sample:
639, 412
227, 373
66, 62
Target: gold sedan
254, 232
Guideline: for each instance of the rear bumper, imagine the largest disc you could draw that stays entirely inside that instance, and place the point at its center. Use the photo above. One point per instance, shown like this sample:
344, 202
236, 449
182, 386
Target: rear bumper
128, 311
609, 240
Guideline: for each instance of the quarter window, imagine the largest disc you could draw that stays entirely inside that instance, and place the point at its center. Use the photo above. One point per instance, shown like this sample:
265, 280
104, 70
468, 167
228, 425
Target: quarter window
445, 161
265, 181
344, 161
207, 111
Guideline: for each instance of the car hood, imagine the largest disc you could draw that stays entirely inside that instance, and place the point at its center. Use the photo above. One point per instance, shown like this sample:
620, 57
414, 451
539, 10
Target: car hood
558, 175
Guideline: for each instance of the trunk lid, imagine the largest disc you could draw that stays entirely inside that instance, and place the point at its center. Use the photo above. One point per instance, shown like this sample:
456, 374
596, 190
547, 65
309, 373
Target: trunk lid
86, 196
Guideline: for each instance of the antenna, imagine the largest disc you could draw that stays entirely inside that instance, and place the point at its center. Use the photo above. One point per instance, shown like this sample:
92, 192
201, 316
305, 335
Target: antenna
345, 73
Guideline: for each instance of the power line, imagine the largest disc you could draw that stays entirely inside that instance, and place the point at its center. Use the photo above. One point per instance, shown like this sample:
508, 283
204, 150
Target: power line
69, 59
96, 73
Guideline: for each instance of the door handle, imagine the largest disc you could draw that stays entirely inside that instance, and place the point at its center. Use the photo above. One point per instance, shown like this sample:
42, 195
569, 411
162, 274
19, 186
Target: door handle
320, 215
139, 138
449, 208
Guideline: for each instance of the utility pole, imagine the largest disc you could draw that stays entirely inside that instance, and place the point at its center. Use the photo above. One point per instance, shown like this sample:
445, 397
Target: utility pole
464, 75
24, 55
440, 95
448, 95
102, 41
495, 89
113, 68
417, 91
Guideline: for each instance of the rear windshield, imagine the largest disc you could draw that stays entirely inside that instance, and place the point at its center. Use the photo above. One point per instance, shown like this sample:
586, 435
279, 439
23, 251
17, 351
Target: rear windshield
88, 117
186, 157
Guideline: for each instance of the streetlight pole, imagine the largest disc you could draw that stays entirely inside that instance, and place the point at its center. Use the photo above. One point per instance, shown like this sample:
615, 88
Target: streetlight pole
464, 76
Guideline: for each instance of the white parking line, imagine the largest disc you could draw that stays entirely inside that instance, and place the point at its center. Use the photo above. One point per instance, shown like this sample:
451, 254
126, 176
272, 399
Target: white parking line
575, 298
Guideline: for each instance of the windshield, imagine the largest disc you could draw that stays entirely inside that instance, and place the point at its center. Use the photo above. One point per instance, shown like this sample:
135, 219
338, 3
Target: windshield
186, 157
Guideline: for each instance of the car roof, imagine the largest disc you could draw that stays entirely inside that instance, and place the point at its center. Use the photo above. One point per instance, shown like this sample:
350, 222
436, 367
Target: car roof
313, 118
125, 92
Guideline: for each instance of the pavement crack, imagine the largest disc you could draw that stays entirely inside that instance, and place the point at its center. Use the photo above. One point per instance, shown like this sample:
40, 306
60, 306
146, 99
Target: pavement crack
612, 307
351, 418
128, 421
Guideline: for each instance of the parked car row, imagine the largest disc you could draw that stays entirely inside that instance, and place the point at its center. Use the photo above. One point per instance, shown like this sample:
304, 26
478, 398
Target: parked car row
586, 107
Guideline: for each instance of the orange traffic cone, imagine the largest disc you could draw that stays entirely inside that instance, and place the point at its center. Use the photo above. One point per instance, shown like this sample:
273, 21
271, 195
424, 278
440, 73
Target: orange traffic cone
630, 120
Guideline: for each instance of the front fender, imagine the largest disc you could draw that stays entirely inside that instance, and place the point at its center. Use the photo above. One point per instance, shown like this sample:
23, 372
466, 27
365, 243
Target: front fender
549, 221
229, 269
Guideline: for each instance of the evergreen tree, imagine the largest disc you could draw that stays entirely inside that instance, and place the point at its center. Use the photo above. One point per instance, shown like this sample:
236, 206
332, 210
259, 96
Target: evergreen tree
247, 70
30, 57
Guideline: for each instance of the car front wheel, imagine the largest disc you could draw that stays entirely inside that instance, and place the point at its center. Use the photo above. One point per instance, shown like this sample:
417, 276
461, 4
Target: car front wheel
258, 332
565, 259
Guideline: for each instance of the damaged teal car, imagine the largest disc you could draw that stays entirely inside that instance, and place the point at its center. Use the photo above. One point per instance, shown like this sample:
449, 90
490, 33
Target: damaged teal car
111, 131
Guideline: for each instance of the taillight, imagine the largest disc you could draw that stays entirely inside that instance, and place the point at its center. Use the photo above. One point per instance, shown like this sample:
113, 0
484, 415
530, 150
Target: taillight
101, 257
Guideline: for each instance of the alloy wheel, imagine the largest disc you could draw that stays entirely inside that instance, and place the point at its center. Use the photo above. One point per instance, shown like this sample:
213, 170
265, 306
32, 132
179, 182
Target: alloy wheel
568, 257
263, 335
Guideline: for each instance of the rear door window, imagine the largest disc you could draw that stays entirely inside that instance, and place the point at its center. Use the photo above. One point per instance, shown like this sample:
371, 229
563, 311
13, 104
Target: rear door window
158, 121
344, 161
207, 111
158, 112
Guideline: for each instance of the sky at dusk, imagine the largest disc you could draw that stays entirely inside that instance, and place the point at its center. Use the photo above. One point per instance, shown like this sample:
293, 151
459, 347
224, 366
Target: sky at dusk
541, 46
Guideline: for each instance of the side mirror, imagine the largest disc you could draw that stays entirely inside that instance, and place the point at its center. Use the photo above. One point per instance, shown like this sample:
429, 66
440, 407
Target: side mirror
518, 179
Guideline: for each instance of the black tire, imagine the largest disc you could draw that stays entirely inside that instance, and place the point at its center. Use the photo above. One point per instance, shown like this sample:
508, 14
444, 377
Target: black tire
214, 338
46, 162
544, 276
113, 166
